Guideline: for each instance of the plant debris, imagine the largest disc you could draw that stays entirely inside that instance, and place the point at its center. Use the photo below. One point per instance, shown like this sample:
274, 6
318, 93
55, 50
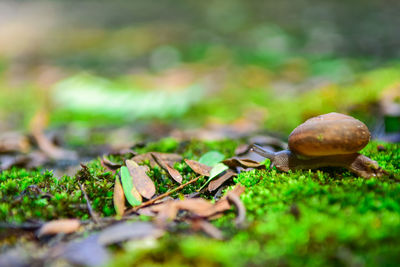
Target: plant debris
163, 163
141, 181
125, 231
213, 185
198, 167
65, 226
119, 197
244, 163
168, 158
130, 191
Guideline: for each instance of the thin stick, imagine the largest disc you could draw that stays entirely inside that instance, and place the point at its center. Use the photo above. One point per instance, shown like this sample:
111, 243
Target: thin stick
152, 201
88, 205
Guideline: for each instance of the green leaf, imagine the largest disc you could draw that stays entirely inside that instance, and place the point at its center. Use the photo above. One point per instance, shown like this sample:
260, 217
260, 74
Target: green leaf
131, 193
215, 171
211, 158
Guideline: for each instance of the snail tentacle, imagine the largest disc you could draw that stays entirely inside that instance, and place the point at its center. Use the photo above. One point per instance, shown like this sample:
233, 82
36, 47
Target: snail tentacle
263, 152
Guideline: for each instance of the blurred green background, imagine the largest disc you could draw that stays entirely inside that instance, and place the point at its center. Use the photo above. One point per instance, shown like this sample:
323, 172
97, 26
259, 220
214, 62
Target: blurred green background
190, 64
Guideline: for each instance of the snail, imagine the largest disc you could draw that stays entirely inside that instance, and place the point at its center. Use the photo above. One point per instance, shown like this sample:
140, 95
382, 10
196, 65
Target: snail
329, 140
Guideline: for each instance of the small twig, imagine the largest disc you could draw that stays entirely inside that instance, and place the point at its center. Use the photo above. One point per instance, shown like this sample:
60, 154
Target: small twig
88, 205
152, 201
23, 226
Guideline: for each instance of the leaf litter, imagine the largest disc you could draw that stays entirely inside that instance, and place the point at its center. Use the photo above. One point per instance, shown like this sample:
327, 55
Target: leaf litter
65, 226
130, 191
131, 184
141, 181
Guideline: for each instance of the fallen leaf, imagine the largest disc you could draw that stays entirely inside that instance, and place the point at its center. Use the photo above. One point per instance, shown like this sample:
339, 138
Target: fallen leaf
86, 252
109, 164
131, 193
241, 210
196, 206
223, 204
167, 211
215, 171
118, 197
37, 125
213, 185
66, 226
244, 163
208, 228
169, 158
211, 158
170, 170
141, 181
11, 142
128, 230
198, 167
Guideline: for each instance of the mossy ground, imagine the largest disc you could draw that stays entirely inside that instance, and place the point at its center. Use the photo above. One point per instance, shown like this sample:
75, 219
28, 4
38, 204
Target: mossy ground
317, 218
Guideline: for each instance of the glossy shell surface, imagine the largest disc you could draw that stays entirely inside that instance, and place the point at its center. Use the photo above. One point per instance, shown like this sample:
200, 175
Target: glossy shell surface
329, 134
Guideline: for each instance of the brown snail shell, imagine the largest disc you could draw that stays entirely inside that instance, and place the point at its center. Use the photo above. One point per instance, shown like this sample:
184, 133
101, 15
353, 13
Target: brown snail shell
329, 134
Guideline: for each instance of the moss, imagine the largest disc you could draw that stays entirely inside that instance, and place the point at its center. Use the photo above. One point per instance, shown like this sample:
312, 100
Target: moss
36, 195
318, 218
321, 217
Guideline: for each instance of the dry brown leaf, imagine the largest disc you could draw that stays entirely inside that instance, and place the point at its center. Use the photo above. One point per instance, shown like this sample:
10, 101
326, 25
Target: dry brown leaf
167, 211
208, 228
197, 206
65, 226
241, 210
174, 174
215, 184
141, 181
198, 167
169, 158
244, 163
119, 197
223, 204
37, 126
112, 166
170, 170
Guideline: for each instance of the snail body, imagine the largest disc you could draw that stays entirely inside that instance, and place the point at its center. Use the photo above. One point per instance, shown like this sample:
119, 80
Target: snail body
329, 140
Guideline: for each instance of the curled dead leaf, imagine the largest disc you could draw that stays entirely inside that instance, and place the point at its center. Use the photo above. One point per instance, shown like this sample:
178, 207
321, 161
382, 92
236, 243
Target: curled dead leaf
37, 126
112, 166
199, 207
241, 210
